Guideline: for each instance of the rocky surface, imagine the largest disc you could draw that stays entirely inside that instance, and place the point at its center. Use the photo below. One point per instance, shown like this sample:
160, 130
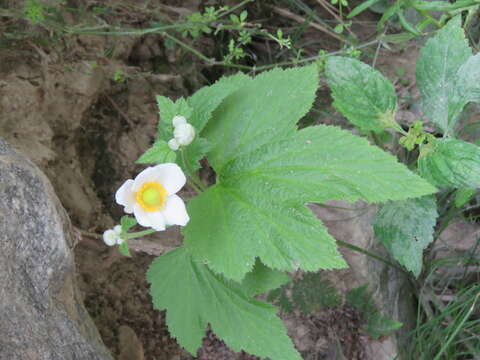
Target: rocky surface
390, 287
41, 313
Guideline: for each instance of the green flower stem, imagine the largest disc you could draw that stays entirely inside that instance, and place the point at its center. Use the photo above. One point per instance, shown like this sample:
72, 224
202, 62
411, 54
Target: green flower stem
194, 181
368, 253
128, 236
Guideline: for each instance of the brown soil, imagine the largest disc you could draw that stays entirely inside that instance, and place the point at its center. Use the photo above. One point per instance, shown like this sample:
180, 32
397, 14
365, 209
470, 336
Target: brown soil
85, 130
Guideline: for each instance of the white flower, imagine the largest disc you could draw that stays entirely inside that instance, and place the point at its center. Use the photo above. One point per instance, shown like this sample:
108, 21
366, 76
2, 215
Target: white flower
151, 197
177, 120
184, 134
173, 144
112, 236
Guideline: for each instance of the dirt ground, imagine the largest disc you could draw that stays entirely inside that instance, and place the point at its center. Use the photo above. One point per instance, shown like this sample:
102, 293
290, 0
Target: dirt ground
62, 107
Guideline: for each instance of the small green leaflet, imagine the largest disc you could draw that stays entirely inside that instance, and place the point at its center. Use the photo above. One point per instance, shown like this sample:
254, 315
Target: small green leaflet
124, 250
262, 279
361, 93
405, 228
126, 222
376, 324
450, 163
194, 297
463, 196
159, 153
437, 69
168, 110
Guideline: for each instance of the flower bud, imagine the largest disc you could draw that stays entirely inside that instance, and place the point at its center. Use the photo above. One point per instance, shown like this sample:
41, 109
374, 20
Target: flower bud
178, 120
184, 134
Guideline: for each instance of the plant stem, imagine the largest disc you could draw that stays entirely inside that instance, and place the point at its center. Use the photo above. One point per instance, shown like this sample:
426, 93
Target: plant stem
139, 234
194, 180
368, 253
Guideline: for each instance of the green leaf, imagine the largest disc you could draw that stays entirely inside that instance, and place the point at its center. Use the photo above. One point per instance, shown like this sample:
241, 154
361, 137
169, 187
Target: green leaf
362, 94
194, 297
168, 110
124, 250
229, 229
437, 68
467, 84
207, 99
257, 207
127, 222
405, 228
361, 8
263, 109
450, 163
262, 279
159, 153
323, 163
463, 196
377, 325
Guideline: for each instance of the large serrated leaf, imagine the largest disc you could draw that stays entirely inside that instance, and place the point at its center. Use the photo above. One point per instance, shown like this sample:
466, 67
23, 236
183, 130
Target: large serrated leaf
362, 94
257, 209
437, 67
229, 228
323, 163
405, 228
194, 297
451, 163
265, 108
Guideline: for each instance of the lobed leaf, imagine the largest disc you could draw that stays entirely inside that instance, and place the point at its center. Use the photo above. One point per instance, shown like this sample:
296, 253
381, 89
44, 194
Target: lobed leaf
194, 297
362, 94
405, 228
257, 208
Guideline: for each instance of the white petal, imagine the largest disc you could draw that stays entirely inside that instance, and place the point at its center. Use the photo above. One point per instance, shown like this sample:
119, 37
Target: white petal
151, 219
143, 177
109, 237
175, 212
177, 120
125, 196
173, 144
119, 240
171, 176
117, 229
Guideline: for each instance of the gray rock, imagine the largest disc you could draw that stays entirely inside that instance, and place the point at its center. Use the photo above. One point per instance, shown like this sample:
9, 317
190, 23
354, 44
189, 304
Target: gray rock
391, 289
41, 313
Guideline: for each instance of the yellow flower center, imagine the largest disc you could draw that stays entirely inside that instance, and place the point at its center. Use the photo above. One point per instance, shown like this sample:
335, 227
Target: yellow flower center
151, 196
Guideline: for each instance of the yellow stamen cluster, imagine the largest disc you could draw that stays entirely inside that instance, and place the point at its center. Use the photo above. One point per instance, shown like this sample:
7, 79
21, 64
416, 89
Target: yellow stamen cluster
151, 196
